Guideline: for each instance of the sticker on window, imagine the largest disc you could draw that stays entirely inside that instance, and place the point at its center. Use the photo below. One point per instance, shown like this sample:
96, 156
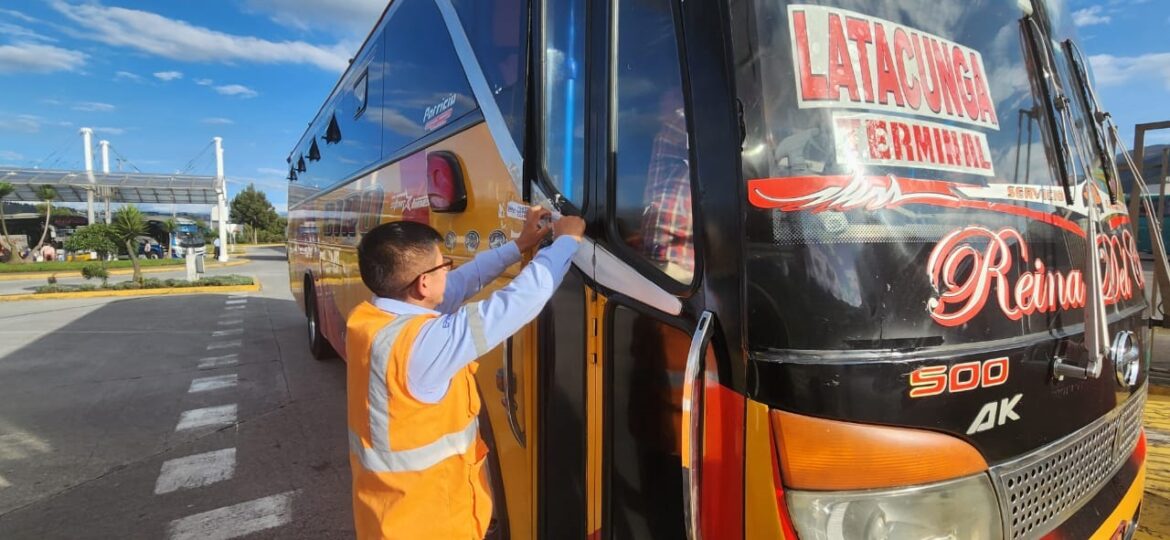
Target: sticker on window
437, 115
846, 59
872, 139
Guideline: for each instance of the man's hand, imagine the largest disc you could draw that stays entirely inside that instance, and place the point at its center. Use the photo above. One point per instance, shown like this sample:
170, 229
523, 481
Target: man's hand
535, 228
571, 226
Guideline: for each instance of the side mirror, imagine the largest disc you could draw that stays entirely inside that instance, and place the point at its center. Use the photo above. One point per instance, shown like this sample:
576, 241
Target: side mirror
445, 188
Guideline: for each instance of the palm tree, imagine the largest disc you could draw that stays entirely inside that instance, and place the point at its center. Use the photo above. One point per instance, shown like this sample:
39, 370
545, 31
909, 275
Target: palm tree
6, 189
128, 225
45, 193
170, 226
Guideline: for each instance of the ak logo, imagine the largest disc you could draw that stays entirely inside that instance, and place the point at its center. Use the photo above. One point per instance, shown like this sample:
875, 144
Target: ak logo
995, 414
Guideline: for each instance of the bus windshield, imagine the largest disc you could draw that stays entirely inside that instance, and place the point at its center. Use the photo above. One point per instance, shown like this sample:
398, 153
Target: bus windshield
903, 178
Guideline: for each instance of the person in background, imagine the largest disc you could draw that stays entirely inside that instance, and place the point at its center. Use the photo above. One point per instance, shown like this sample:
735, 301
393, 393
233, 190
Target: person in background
413, 405
48, 252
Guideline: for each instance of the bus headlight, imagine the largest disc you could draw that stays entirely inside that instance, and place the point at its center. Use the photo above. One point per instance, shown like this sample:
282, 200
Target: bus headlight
957, 509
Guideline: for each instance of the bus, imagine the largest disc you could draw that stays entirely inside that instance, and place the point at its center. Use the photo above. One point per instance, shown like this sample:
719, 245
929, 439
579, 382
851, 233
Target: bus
32, 225
854, 269
185, 228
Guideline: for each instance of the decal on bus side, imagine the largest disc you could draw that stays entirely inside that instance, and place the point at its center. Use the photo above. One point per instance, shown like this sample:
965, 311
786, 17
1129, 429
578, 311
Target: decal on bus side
930, 381
355, 214
846, 59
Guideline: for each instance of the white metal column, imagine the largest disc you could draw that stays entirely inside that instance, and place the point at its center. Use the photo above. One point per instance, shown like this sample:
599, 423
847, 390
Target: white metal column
105, 146
221, 196
87, 148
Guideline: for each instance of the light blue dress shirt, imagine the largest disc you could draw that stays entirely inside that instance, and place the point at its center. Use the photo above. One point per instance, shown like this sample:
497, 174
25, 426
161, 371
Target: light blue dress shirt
462, 333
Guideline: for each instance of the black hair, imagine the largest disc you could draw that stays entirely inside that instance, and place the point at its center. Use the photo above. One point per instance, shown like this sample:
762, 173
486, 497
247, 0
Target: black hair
391, 255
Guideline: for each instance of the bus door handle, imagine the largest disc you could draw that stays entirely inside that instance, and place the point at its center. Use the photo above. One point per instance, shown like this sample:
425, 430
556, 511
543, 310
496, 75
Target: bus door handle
507, 384
692, 423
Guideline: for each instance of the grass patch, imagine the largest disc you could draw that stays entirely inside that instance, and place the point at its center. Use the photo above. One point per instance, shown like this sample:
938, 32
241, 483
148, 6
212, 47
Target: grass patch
76, 266
149, 283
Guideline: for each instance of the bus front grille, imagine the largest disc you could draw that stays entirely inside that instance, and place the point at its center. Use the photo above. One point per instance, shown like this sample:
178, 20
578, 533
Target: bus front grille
1040, 490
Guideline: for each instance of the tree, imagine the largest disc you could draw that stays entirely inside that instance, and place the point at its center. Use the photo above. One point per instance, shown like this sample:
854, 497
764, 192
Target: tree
170, 226
6, 189
97, 237
45, 193
128, 225
251, 207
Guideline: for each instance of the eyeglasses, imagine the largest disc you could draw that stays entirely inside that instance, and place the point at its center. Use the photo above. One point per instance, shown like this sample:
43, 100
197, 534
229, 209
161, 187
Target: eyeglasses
447, 264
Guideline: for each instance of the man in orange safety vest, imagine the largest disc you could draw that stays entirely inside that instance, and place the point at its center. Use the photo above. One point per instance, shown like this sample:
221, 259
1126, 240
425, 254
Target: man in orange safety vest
413, 406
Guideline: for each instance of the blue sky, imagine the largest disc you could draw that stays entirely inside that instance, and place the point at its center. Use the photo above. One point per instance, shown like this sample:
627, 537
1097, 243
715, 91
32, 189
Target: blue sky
160, 79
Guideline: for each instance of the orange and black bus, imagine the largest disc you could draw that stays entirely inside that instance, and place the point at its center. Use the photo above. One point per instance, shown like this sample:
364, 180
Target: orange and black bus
854, 269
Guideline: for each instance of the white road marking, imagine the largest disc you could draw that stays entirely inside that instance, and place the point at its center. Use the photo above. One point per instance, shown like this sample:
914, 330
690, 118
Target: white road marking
236, 520
224, 344
205, 384
4, 483
236, 301
196, 471
228, 332
237, 296
213, 362
222, 415
19, 444
231, 322
236, 307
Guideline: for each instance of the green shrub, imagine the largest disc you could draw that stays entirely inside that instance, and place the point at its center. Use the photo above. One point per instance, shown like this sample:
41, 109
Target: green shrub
95, 270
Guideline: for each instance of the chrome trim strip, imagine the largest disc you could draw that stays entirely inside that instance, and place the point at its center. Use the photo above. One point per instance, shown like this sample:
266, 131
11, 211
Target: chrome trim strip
507, 148
692, 417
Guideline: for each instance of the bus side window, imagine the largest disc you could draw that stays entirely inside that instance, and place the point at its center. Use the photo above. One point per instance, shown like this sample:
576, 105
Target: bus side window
424, 85
652, 185
563, 111
496, 30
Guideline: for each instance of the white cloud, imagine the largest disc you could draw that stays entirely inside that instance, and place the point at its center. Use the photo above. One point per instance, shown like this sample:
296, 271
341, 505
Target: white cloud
204, 82
218, 121
34, 58
8, 155
237, 90
18, 15
126, 75
179, 40
1090, 16
20, 33
21, 123
168, 75
92, 106
357, 17
109, 130
1112, 70
268, 171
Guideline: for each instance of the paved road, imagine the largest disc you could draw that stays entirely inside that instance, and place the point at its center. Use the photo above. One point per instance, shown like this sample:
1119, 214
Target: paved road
171, 417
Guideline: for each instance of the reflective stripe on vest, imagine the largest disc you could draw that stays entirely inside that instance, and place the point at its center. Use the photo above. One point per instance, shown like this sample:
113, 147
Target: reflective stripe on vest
379, 399
415, 459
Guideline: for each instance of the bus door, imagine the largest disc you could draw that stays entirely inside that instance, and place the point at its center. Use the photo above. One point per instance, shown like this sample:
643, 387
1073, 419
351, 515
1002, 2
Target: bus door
615, 340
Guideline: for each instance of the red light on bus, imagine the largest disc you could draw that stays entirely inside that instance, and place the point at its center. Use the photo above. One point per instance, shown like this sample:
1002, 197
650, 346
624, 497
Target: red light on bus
445, 188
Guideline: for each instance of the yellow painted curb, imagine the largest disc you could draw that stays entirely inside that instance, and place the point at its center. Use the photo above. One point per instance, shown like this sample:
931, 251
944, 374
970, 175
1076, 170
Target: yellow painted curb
18, 276
254, 287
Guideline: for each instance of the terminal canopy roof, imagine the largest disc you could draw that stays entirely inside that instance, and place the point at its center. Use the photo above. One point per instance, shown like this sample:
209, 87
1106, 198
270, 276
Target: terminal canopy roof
135, 188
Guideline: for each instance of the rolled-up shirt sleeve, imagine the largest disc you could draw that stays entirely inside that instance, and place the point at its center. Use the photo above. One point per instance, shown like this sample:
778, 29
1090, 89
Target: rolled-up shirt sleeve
448, 343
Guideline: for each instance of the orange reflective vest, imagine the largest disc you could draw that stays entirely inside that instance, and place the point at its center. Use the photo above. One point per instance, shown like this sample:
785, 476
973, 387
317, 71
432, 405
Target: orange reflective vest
417, 467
